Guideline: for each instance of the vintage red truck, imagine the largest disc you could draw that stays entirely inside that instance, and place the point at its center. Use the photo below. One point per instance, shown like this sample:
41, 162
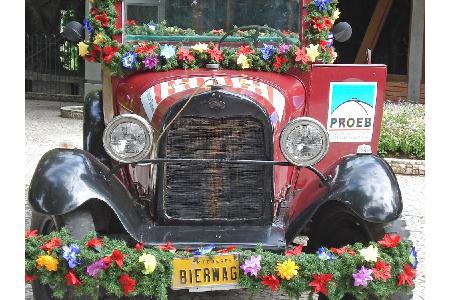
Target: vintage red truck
192, 149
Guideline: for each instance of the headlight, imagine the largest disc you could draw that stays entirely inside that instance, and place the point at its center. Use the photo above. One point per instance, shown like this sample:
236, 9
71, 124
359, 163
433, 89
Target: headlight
127, 138
304, 141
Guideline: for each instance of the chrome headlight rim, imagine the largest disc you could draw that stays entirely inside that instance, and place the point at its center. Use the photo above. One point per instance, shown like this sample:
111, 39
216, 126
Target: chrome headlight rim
128, 118
290, 127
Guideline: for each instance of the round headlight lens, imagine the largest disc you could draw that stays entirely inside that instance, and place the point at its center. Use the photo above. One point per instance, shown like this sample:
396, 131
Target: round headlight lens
127, 138
304, 141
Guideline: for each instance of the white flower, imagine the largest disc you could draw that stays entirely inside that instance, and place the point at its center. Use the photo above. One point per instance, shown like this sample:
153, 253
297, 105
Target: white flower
168, 51
370, 253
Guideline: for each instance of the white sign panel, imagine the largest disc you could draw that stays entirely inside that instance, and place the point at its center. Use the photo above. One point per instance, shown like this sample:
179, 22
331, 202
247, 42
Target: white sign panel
352, 111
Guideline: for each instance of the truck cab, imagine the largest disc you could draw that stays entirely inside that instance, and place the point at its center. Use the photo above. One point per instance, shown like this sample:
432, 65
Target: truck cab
223, 122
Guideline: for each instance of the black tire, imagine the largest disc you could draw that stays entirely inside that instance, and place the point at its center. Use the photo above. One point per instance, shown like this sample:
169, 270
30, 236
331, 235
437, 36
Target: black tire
78, 222
337, 226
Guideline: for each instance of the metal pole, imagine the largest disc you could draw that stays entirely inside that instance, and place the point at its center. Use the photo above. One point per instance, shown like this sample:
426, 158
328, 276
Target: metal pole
416, 45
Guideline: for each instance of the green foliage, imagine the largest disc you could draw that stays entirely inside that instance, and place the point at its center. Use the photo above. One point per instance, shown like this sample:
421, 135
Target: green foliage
403, 131
157, 283
109, 52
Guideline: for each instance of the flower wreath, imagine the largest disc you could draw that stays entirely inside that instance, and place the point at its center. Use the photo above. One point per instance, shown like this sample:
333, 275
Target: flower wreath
144, 56
380, 269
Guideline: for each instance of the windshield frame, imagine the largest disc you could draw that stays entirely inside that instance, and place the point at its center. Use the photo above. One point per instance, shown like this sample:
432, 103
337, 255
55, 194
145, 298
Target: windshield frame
133, 38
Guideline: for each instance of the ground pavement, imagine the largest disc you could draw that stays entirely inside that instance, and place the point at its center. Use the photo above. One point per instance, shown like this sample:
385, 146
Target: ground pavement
45, 130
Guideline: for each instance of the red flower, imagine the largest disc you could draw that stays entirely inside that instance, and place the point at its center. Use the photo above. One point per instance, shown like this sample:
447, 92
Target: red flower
271, 281
215, 53
103, 18
146, 49
227, 249
93, 53
296, 251
279, 62
52, 244
116, 256
327, 24
127, 283
29, 278
321, 24
168, 247
139, 247
94, 11
323, 44
71, 279
130, 22
217, 31
185, 55
406, 276
390, 241
246, 50
342, 250
320, 283
382, 270
317, 23
286, 32
94, 243
300, 55
31, 233
109, 54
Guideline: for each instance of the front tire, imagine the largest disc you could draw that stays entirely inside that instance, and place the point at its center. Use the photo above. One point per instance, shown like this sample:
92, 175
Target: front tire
78, 222
337, 226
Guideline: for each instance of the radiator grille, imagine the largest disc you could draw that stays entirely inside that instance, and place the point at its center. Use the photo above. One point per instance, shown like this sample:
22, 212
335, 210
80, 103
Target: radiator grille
215, 191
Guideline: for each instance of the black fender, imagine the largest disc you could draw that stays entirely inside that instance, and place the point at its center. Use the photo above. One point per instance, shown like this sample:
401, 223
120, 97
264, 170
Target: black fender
65, 179
365, 184
94, 125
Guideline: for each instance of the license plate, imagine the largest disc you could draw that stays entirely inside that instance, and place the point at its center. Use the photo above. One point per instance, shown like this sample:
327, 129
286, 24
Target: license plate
206, 273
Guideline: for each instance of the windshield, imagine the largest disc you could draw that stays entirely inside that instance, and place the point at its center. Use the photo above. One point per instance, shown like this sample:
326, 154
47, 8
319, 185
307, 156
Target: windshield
207, 17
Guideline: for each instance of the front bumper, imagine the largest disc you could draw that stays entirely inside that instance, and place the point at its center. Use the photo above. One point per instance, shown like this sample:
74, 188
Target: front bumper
268, 237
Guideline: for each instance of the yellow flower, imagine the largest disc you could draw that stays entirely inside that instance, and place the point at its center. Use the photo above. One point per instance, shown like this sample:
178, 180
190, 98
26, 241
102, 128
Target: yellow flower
243, 61
82, 48
287, 269
336, 14
47, 261
200, 47
370, 253
99, 38
149, 263
312, 51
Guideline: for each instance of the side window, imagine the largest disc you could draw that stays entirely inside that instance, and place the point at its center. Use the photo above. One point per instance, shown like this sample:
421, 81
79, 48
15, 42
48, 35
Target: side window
142, 11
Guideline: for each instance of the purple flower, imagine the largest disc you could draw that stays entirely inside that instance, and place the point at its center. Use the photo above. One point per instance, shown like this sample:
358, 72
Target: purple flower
71, 254
283, 48
322, 4
150, 62
96, 267
324, 255
88, 26
252, 265
362, 277
267, 51
129, 60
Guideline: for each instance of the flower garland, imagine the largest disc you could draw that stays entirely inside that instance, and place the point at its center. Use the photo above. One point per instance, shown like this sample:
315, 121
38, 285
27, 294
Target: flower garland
379, 269
127, 58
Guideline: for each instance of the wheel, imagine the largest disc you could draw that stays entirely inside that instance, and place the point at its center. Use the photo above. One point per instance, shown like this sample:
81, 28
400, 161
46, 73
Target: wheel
337, 226
78, 222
